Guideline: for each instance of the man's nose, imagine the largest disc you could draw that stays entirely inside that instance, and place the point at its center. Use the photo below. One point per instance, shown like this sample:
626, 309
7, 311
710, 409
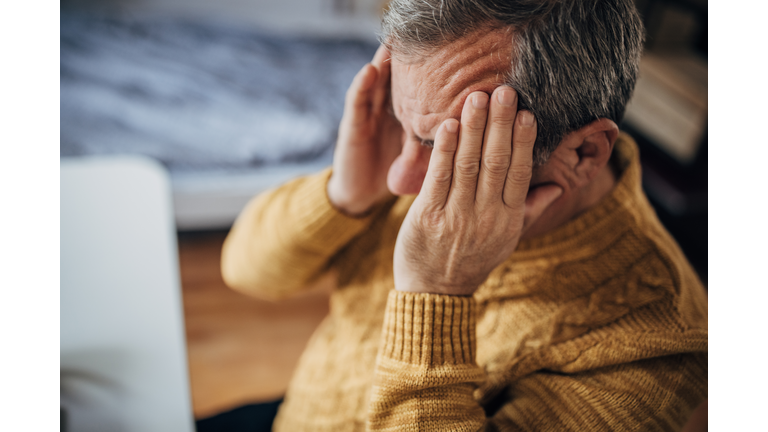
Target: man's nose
406, 175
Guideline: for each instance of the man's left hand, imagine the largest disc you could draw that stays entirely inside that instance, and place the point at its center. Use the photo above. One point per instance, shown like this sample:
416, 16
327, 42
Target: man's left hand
474, 204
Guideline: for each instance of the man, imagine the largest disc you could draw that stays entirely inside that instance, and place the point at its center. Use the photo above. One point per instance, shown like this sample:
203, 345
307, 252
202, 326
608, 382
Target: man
518, 278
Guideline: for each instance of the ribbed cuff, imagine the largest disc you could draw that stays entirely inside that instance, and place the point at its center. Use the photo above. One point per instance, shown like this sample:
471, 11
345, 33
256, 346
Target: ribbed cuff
323, 226
431, 329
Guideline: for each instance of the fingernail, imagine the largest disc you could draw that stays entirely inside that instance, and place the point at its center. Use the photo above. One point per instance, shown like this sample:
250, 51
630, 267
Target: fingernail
480, 100
526, 118
451, 126
506, 97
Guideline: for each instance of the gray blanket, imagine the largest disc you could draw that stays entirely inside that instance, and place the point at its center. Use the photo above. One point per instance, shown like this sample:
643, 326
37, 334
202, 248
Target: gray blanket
200, 96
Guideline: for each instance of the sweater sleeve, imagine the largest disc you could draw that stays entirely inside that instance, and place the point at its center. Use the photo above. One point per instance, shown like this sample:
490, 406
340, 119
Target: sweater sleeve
426, 371
284, 238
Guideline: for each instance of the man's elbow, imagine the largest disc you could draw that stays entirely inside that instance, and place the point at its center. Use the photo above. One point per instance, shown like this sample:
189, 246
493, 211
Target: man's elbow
246, 279
235, 271
236, 278
230, 271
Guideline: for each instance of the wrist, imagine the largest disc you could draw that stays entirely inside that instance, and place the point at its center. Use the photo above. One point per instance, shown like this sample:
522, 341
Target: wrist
419, 287
446, 329
348, 204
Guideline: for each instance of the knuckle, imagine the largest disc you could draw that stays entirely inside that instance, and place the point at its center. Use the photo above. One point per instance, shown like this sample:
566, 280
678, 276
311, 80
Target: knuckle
525, 138
520, 176
488, 220
503, 120
467, 168
431, 220
526, 141
442, 176
474, 127
526, 166
496, 165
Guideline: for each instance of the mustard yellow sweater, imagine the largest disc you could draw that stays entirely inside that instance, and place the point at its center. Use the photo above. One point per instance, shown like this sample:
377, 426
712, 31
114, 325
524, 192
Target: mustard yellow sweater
600, 324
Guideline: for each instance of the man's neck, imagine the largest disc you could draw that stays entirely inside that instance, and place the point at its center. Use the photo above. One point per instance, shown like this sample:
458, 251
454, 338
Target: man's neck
601, 186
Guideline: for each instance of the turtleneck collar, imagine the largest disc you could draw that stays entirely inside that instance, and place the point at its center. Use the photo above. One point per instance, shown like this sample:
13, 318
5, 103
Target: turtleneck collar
624, 194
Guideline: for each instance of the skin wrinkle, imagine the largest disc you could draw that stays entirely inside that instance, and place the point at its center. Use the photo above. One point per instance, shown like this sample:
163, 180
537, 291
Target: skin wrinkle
426, 93
571, 62
478, 66
427, 104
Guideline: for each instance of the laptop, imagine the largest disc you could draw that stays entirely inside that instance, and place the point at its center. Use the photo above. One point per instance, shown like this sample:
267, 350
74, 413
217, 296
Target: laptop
123, 350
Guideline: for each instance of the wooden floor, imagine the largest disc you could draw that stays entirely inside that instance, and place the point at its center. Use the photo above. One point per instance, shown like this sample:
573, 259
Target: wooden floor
241, 349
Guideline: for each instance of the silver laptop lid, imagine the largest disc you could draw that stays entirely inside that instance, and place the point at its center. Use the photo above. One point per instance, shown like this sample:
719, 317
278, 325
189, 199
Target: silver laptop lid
123, 352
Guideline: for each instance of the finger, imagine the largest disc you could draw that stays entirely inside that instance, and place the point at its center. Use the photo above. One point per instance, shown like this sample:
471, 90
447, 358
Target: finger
357, 104
497, 147
519, 173
382, 56
538, 200
381, 61
466, 166
437, 183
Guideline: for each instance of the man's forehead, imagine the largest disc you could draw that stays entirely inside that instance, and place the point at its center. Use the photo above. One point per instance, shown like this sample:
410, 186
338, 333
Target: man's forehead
434, 88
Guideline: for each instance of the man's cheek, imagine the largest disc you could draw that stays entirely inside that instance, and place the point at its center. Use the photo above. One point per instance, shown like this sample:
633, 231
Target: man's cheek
407, 172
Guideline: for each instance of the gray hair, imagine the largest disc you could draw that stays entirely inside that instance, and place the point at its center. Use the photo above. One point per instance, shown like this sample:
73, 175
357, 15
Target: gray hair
573, 61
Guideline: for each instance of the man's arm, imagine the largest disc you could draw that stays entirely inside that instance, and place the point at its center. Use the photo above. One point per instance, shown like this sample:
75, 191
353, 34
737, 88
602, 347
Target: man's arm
475, 202
467, 219
426, 371
426, 375
286, 237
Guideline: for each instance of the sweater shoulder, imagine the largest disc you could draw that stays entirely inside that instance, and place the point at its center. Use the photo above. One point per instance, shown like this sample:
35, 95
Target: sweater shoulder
625, 294
668, 268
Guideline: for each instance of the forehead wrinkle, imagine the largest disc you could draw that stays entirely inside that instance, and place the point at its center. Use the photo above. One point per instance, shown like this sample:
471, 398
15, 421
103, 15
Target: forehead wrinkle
435, 88
486, 83
477, 62
471, 55
482, 66
417, 95
478, 51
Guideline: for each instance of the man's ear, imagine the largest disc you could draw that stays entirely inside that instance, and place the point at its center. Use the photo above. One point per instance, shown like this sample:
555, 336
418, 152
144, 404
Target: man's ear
594, 149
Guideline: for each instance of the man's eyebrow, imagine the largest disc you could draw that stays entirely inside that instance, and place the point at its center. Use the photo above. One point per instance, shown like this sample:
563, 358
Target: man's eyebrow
391, 111
426, 143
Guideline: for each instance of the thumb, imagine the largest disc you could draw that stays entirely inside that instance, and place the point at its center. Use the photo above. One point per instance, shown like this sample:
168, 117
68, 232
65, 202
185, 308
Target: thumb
538, 200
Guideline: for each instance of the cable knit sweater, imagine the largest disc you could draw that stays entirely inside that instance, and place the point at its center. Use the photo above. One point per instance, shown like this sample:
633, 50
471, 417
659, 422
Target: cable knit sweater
601, 324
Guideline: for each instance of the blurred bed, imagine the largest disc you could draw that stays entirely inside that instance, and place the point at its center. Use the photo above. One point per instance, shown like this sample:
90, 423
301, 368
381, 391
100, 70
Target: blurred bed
228, 110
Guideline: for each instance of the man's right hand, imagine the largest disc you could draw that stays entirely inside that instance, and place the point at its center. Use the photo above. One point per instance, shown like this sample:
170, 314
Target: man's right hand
369, 140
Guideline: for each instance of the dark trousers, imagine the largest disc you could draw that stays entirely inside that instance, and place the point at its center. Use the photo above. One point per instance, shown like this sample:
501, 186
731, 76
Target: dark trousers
250, 418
